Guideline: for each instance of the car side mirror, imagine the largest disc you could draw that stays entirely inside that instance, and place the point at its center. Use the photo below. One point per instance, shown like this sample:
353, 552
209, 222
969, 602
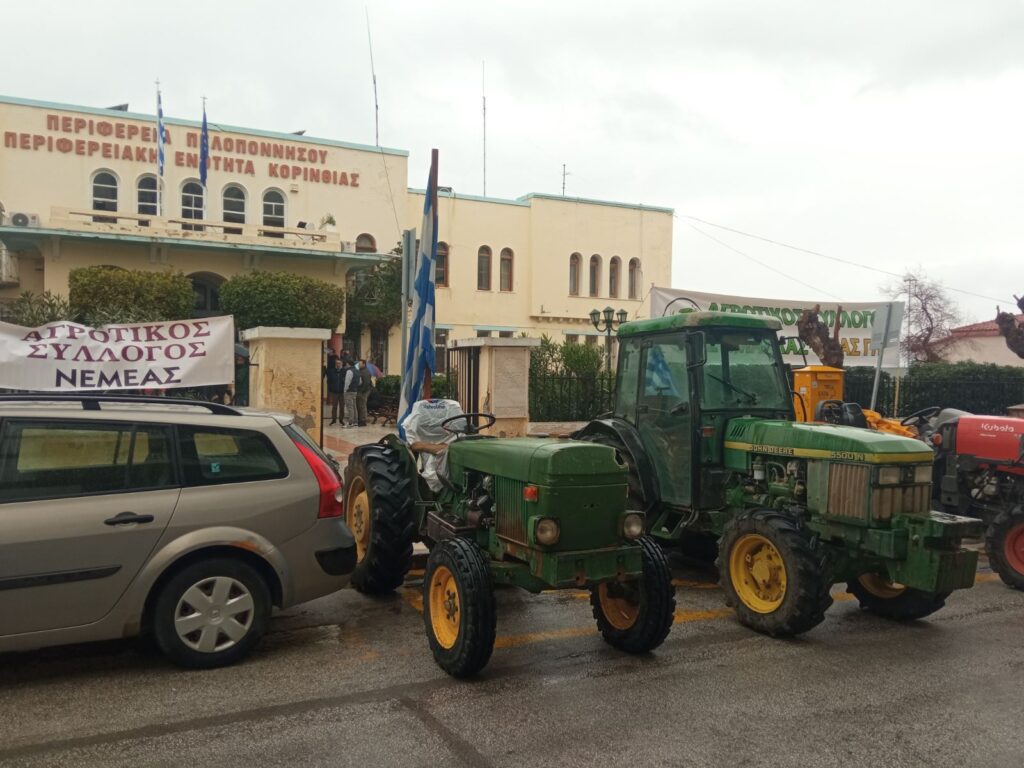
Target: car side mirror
697, 355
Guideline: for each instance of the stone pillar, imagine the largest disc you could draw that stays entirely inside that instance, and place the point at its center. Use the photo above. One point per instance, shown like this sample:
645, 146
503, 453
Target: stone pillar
504, 385
287, 373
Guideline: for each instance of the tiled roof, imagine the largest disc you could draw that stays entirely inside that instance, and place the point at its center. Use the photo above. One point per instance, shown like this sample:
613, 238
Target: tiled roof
987, 328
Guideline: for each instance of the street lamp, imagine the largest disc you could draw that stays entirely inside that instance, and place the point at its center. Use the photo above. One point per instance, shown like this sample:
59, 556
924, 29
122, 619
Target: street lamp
604, 321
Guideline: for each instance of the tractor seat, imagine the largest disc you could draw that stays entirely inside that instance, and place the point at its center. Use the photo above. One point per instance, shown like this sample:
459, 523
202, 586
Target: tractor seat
434, 449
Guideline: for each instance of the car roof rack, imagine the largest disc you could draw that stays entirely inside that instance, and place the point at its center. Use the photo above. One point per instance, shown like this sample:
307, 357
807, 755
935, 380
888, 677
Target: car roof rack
93, 402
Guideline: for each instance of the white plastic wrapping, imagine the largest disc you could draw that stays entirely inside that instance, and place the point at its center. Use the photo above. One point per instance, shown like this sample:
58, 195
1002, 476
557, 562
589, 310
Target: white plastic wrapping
423, 425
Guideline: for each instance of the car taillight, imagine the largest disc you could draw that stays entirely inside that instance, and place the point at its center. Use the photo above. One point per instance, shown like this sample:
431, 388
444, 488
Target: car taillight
330, 486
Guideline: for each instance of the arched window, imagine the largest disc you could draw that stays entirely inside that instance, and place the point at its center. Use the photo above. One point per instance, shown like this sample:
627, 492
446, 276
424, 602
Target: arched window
104, 196
206, 289
273, 211
145, 197
192, 205
574, 274
634, 278
234, 208
614, 267
366, 244
595, 275
483, 269
441, 265
505, 274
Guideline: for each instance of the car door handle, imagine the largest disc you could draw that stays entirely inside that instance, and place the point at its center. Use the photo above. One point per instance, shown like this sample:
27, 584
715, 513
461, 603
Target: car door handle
124, 518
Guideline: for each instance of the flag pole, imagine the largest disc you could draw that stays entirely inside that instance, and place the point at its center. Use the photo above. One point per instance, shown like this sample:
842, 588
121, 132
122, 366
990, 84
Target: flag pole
159, 152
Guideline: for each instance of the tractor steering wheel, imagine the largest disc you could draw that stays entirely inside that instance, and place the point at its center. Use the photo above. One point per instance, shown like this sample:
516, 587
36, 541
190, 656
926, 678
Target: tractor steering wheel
829, 411
919, 417
469, 428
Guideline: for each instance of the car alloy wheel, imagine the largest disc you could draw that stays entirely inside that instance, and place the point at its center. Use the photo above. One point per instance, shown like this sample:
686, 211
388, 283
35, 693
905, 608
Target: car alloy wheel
214, 614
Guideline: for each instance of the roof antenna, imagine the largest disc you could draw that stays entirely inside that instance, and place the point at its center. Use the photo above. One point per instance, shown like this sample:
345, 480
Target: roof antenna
373, 72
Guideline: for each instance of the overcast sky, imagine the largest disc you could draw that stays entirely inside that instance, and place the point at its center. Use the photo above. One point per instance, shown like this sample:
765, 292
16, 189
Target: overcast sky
886, 133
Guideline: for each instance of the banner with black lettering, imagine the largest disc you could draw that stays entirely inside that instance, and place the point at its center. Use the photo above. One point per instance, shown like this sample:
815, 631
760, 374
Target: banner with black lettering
68, 357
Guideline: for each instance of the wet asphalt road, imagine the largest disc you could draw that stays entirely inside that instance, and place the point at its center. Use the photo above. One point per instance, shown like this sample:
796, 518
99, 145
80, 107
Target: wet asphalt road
348, 680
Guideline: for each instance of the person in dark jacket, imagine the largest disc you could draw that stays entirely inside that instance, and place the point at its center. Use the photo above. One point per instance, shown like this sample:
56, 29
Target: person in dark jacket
365, 385
335, 388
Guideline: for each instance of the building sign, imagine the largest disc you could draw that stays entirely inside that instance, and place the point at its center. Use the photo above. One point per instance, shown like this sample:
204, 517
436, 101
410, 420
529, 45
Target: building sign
129, 141
856, 319
68, 357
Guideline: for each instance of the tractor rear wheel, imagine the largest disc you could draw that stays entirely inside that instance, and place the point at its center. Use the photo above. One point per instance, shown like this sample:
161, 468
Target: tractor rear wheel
1004, 543
380, 512
876, 593
773, 574
458, 607
636, 616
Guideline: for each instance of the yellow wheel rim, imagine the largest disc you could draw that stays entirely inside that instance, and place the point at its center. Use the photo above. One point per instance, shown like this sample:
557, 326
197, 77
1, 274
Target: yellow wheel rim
879, 586
620, 611
758, 573
445, 616
357, 515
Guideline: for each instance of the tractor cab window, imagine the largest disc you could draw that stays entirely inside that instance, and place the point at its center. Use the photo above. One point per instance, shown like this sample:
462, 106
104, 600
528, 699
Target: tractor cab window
742, 371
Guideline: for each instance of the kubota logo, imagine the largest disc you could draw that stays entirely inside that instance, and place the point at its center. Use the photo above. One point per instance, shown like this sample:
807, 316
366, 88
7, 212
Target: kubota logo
998, 427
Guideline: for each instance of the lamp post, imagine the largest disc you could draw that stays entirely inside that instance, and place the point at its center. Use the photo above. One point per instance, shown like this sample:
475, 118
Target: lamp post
604, 321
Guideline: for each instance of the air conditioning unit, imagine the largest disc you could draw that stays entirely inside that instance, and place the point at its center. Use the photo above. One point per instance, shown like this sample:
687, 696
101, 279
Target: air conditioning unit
18, 219
8, 267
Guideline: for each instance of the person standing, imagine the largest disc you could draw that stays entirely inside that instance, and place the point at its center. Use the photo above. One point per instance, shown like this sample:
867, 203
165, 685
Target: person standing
335, 388
365, 385
351, 394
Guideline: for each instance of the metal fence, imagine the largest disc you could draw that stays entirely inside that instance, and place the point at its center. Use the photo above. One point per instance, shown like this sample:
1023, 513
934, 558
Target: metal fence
565, 397
910, 393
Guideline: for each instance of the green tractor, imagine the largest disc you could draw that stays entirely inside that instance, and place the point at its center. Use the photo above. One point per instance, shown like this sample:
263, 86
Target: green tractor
703, 417
532, 513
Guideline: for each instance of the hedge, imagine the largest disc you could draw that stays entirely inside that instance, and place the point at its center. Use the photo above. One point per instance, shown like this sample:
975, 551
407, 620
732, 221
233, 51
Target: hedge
282, 299
102, 295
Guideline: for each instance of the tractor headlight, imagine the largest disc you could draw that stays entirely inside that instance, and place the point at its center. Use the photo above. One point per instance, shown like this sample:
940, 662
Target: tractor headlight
923, 473
633, 525
546, 531
889, 476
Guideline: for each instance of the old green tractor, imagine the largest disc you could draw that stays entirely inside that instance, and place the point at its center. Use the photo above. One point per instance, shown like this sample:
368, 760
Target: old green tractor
703, 416
532, 513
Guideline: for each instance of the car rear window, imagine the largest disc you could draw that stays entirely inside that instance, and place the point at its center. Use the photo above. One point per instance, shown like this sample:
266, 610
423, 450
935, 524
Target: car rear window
213, 455
54, 459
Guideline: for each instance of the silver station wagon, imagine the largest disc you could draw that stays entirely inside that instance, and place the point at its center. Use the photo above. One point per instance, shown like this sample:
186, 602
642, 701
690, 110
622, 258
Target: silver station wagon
187, 520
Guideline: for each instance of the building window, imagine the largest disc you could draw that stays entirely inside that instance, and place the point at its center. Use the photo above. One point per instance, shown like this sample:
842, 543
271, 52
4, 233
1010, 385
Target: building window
505, 276
146, 199
366, 244
483, 269
574, 274
613, 277
104, 196
572, 338
441, 347
192, 205
505, 334
441, 266
634, 278
273, 211
234, 208
591, 341
484, 334
595, 275
379, 347
206, 289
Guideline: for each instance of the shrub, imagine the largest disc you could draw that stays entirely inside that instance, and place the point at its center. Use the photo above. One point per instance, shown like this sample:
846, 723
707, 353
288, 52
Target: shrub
102, 295
35, 309
391, 386
282, 299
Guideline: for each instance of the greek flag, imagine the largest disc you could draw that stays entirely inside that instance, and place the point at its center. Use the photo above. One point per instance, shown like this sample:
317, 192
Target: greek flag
419, 359
159, 133
204, 149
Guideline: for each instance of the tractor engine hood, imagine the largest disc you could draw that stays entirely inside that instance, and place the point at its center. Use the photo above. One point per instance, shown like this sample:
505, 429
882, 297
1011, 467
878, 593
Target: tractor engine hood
787, 439
538, 460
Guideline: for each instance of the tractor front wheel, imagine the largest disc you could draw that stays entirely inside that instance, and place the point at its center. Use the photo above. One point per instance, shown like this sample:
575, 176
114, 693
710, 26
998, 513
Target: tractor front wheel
1004, 543
772, 573
878, 594
458, 607
379, 511
636, 616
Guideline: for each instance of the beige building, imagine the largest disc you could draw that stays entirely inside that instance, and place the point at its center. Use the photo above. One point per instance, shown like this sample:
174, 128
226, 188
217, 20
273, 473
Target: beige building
79, 186
982, 343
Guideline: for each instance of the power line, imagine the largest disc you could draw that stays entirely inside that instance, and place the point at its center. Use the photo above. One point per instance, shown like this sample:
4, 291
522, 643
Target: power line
830, 258
758, 261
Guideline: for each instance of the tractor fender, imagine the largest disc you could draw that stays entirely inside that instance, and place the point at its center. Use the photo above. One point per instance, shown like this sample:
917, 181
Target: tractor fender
629, 437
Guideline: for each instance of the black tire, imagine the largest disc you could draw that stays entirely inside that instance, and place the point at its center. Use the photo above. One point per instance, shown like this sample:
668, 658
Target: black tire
906, 604
172, 604
635, 496
1009, 523
652, 597
802, 603
386, 548
475, 614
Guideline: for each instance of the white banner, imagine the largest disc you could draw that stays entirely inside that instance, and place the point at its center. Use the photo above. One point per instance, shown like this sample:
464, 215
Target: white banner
68, 357
856, 320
